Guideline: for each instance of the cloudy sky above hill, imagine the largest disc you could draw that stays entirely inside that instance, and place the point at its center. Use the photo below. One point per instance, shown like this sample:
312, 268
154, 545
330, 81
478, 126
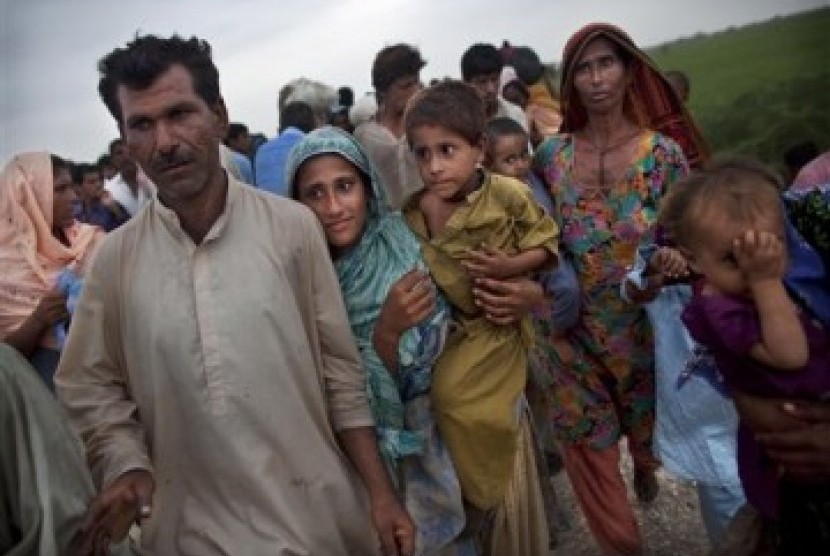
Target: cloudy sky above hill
49, 48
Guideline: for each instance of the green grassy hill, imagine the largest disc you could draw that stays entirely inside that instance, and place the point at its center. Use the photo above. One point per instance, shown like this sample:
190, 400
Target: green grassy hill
759, 89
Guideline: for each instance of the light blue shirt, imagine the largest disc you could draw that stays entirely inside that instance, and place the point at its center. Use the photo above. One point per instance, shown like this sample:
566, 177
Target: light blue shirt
269, 163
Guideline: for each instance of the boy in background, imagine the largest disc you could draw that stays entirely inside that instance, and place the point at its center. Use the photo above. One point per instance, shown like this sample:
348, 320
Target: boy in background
95, 205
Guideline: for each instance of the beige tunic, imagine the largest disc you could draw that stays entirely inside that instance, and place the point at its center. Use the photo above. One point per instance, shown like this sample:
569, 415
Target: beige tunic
397, 167
223, 368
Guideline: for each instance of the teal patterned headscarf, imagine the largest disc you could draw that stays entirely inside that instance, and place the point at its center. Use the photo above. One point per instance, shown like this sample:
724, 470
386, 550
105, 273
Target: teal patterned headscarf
386, 251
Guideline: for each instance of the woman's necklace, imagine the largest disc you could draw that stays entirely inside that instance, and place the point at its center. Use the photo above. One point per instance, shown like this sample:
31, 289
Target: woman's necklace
611, 147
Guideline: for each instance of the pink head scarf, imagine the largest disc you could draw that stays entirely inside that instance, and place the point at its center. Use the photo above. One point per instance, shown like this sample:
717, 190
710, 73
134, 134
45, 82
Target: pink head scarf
30, 256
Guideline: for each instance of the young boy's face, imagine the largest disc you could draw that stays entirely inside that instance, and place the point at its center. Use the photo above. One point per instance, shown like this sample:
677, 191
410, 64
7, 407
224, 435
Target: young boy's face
508, 155
92, 186
446, 160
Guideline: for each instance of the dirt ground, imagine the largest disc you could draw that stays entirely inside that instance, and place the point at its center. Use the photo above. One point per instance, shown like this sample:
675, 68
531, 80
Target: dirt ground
670, 525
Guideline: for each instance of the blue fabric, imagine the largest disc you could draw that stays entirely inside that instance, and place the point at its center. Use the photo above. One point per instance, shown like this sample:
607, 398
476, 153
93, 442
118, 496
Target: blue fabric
71, 286
98, 215
271, 158
696, 427
806, 277
718, 505
245, 168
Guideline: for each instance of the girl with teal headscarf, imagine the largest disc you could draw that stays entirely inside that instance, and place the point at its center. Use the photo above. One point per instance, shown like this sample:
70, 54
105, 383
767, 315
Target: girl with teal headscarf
385, 253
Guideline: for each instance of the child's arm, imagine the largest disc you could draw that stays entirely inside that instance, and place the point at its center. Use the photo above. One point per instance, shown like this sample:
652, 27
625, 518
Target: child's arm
652, 269
487, 262
762, 259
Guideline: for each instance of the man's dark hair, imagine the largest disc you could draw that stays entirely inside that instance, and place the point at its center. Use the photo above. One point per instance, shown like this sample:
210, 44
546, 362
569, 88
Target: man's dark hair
394, 62
103, 160
82, 169
115, 143
144, 59
451, 104
480, 59
525, 61
236, 130
297, 114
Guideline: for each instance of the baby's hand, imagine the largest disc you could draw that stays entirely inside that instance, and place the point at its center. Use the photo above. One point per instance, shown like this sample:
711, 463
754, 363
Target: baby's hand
487, 262
670, 263
760, 256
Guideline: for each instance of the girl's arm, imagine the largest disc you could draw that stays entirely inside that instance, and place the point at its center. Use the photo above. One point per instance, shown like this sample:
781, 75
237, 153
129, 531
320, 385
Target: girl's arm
762, 259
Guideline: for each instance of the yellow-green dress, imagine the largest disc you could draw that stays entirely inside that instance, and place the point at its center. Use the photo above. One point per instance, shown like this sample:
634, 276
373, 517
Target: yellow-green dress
482, 371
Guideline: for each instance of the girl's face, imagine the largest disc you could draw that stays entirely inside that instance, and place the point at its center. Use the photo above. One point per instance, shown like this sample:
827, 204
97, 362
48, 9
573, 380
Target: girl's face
508, 155
335, 191
446, 160
63, 199
714, 253
600, 77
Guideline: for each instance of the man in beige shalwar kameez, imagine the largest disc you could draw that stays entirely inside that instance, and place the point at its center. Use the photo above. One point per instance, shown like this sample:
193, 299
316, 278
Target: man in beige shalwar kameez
210, 368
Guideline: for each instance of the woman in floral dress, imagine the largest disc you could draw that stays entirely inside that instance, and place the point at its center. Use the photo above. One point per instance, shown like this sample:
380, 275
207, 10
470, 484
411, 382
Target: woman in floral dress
621, 144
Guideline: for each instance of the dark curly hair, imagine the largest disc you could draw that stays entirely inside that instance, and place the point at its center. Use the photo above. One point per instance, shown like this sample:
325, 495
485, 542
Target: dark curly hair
480, 59
143, 60
394, 62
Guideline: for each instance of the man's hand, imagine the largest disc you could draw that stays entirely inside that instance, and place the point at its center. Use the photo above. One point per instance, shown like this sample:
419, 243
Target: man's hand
126, 501
760, 256
395, 529
802, 452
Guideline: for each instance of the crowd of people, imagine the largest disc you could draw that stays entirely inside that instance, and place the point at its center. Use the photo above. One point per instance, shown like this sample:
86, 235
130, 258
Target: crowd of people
382, 330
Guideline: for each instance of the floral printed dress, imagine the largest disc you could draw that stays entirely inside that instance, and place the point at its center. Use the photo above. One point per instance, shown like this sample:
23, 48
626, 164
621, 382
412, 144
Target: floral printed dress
607, 389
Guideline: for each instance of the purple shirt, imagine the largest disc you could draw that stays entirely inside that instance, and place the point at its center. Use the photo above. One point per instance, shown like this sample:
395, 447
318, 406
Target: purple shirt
729, 326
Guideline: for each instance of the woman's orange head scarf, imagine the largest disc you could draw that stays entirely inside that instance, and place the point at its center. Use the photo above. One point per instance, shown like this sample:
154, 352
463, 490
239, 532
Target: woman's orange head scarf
31, 257
650, 101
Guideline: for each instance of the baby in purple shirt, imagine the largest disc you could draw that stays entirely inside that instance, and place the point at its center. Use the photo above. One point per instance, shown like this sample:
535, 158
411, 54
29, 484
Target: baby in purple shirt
728, 222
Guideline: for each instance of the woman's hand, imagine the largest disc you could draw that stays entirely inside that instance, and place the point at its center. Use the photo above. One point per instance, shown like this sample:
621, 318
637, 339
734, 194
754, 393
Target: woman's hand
507, 301
51, 309
409, 301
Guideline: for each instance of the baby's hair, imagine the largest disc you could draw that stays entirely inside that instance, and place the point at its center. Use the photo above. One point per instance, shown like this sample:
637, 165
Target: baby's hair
451, 104
742, 188
501, 127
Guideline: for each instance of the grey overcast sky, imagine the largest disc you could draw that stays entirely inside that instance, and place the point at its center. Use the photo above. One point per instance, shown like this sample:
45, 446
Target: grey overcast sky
49, 48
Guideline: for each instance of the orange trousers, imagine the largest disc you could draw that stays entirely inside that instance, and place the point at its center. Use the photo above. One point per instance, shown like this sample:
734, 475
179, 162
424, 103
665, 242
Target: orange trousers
600, 488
